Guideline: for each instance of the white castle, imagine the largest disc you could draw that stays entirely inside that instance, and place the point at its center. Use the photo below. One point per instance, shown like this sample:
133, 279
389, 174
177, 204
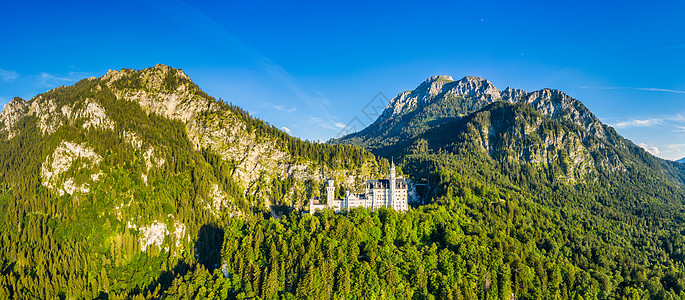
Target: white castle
390, 193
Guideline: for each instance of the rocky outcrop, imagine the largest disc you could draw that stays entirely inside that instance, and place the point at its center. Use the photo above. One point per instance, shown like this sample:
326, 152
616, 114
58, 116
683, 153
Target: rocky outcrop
11, 113
74, 157
558, 106
440, 85
162, 90
157, 232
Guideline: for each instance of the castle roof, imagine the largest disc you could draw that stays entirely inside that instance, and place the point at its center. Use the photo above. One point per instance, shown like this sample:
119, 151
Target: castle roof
400, 183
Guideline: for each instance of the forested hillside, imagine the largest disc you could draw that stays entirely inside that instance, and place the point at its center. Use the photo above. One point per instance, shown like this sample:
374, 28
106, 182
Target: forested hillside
107, 185
556, 160
138, 185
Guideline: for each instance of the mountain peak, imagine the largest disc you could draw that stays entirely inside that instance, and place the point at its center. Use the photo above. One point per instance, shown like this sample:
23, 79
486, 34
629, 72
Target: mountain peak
441, 99
439, 78
474, 87
11, 113
154, 75
434, 86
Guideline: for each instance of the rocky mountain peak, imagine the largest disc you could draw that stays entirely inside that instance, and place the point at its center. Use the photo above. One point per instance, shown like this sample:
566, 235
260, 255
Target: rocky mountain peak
434, 86
513, 95
160, 89
153, 77
474, 87
11, 113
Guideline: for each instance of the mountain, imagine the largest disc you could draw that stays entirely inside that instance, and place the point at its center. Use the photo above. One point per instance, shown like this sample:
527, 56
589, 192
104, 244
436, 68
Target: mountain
486, 154
126, 174
591, 145
682, 160
138, 185
440, 99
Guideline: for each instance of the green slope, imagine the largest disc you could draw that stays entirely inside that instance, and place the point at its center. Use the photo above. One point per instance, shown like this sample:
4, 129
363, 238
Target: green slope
109, 187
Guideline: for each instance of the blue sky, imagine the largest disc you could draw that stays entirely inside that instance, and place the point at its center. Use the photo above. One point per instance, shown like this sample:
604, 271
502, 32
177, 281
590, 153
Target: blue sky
312, 67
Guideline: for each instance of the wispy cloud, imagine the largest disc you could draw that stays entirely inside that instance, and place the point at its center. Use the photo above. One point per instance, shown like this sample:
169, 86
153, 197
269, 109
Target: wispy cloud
674, 151
676, 147
51, 80
638, 123
649, 89
651, 149
6, 75
285, 108
316, 121
673, 122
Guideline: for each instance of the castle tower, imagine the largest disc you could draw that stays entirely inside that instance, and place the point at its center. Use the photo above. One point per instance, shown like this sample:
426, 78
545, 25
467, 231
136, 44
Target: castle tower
392, 170
391, 197
330, 191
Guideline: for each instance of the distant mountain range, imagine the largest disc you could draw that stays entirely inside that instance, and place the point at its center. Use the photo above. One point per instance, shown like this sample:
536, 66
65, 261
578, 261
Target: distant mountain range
682, 160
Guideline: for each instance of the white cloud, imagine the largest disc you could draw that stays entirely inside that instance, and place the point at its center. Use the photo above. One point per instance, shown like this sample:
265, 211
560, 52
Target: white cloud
285, 108
676, 147
673, 122
6, 75
651, 149
52, 80
330, 125
649, 89
638, 123
286, 129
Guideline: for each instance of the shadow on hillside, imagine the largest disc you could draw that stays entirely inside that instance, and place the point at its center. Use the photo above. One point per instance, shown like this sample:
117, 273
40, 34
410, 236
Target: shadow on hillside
210, 239
207, 250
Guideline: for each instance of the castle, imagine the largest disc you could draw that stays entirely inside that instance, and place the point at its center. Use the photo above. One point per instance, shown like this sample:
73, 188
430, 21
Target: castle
390, 193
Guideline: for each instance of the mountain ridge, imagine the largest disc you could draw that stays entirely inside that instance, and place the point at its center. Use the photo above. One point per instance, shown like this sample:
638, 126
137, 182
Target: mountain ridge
137, 184
135, 166
440, 100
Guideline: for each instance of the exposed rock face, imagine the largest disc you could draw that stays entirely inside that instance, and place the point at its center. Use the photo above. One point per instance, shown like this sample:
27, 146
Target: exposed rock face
68, 156
52, 114
170, 93
155, 233
181, 103
513, 95
529, 137
256, 158
440, 100
441, 85
553, 104
474, 87
558, 106
11, 113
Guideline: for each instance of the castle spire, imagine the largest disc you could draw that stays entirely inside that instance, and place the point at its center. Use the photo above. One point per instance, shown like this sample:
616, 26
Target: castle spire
392, 169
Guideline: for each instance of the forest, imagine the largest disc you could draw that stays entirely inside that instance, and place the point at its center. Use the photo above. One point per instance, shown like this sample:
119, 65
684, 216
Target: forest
491, 228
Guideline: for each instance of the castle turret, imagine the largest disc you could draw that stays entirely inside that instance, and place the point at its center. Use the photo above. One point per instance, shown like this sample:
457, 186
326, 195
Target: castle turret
392, 170
330, 191
391, 196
